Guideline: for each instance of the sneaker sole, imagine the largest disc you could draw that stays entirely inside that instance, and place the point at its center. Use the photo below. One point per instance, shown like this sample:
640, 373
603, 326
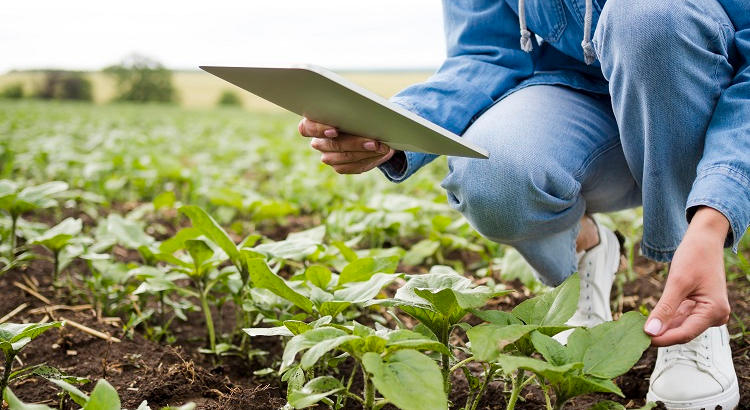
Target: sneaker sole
728, 400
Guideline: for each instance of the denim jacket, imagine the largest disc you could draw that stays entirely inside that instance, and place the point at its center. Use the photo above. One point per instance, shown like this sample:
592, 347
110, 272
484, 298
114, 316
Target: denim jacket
485, 62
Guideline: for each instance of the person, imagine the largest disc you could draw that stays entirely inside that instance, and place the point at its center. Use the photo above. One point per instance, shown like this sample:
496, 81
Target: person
652, 108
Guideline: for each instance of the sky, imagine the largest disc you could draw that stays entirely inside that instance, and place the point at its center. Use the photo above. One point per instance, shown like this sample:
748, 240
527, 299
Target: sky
339, 34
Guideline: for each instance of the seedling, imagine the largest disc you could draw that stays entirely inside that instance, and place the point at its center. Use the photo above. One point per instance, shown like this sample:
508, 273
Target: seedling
13, 338
57, 238
16, 201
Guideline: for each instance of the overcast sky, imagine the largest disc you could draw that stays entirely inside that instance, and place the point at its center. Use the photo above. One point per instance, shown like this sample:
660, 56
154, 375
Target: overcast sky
340, 34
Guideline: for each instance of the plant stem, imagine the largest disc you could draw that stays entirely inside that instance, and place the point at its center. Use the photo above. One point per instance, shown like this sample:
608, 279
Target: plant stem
209, 321
57, 268
444, 338
369, 391
13, 222
461, 363
349, 384
517, 386
6, 374
478, 397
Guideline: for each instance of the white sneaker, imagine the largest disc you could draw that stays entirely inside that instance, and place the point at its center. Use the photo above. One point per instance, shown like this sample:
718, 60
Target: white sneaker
596, 269
696, 375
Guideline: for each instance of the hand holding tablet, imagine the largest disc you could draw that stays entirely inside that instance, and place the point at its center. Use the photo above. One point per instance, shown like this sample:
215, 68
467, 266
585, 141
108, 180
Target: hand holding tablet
326, 98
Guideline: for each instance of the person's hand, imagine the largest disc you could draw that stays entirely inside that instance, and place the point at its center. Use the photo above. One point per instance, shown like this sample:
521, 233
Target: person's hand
347, 154
695, 295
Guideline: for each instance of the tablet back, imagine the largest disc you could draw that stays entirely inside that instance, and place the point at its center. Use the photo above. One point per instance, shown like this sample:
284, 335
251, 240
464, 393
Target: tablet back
325, 97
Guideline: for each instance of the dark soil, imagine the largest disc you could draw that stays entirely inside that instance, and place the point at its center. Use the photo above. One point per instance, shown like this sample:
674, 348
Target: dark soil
173, 374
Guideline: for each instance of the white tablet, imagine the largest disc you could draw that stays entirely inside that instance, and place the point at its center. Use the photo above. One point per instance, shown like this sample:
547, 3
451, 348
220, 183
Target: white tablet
325, 97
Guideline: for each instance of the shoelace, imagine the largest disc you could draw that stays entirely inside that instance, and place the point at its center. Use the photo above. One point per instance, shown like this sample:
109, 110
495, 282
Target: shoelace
696, 351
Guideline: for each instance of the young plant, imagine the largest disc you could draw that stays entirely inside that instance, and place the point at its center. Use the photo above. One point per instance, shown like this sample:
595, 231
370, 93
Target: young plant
103, 397
511, 332
392, 363
16, 201
56, 239
439, 300
13, 338
587, 364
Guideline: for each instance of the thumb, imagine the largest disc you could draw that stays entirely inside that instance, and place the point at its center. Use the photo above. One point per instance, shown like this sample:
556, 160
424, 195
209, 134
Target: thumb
666, 308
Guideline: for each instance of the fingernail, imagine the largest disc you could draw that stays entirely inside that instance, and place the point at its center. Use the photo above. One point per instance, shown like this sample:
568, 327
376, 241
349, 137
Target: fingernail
330, 133
653, 327
370, 146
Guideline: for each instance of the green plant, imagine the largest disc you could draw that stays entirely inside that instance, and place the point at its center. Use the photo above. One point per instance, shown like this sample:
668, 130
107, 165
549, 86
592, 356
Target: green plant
15, 201
391, 362
13, 338
103, 397
439, 300
57, 238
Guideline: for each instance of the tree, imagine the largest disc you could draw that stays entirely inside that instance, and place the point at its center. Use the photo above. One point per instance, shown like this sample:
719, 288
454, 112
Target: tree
141, 79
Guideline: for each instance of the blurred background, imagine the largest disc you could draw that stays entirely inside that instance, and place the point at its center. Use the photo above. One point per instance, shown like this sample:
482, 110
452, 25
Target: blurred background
150, 51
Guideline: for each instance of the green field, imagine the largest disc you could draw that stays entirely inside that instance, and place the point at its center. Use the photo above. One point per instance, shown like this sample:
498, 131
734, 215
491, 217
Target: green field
196, 89
222, 264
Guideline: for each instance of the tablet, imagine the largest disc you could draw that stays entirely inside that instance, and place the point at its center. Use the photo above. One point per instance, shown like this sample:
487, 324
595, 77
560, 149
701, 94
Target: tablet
325, 97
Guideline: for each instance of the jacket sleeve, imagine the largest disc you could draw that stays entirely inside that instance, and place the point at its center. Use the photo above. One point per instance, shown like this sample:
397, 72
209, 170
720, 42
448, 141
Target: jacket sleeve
723, 175
484, 60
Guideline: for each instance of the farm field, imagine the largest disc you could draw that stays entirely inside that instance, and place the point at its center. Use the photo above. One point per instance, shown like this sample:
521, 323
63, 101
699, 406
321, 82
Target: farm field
206, 256
197, 89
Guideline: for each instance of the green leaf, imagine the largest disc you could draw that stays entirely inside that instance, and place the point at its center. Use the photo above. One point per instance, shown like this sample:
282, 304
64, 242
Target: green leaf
294, 248
421, 251
333, 308
14, 336
14, 403
313, 354
346, 251
262, 277
268, 331
199, 251
551, 308
360, 292
318, 275
307, 340
74, 392
126, 232
489, 340
407, 339
165, 199
616, 346
363, 269
607, 405
550, 348
212, 230
103, 397
314, 391
579, 385
178, 240
59, 235
408, 379
496, 317
553, 374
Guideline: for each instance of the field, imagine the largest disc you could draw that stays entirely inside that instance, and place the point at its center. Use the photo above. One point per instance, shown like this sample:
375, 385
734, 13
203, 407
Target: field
197, 89
206, 256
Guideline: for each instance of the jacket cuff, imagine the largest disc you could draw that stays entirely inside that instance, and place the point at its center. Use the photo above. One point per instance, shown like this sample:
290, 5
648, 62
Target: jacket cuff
728, 191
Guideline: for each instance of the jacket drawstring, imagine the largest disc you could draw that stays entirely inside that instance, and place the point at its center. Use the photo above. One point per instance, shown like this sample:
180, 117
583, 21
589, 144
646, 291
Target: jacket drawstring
525, 33
589, 55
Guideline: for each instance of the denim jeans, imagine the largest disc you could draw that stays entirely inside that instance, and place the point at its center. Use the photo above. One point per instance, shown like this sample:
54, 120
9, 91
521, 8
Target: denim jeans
557, 152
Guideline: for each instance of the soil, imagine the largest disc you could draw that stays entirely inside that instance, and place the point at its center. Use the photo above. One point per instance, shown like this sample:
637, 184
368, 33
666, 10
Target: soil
175, 373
